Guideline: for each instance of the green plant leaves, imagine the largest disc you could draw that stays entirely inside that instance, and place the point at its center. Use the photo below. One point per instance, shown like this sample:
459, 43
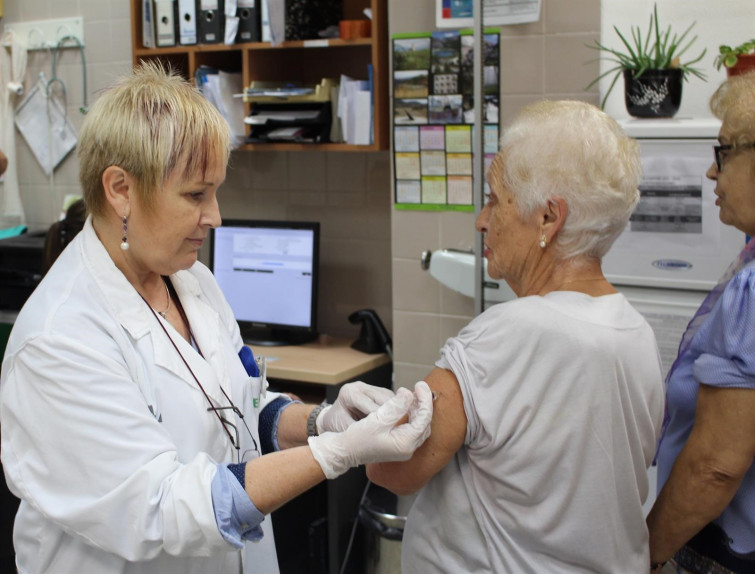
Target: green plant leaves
727, 56
657, 48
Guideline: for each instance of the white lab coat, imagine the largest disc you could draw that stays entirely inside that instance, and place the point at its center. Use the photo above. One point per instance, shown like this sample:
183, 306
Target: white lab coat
105, 436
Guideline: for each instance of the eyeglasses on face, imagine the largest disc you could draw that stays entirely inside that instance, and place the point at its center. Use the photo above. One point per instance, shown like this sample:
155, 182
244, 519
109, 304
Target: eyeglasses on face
721, 152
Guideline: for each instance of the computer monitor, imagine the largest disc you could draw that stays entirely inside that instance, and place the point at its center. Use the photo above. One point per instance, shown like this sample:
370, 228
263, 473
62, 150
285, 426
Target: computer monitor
268, 272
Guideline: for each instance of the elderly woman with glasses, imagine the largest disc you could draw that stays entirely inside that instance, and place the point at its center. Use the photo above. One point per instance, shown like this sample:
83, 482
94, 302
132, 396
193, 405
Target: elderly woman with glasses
133, 416
704, 516
548, 406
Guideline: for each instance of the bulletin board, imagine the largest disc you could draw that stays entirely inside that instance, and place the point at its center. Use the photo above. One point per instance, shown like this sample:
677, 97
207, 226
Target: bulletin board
433, 113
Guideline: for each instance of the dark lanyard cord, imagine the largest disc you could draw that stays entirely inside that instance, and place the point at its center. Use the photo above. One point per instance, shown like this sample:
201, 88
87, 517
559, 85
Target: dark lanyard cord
213, 408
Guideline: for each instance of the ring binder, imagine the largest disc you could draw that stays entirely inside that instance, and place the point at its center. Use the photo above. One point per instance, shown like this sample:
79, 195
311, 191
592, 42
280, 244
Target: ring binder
148, 26
248, 14
165, 24
211, 22
187, 22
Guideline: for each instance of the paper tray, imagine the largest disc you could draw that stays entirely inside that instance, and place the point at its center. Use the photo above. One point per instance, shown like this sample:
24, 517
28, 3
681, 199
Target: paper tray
308, 122
289, 92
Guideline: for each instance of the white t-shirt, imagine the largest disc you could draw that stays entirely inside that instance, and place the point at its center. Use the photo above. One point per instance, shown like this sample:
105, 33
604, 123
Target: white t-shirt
564, 401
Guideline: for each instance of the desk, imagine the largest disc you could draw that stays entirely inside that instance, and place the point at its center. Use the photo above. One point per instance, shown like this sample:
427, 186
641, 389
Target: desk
323, 517
324, 364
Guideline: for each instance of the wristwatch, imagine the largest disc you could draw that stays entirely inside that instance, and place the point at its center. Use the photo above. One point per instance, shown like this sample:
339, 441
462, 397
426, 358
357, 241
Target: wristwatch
312, 419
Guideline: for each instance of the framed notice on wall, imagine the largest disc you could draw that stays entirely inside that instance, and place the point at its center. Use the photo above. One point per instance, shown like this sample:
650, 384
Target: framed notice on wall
460, 13
433, 113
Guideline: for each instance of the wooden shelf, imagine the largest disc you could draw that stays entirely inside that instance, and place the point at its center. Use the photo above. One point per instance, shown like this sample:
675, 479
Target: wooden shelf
308, 147
297, 44
302, 60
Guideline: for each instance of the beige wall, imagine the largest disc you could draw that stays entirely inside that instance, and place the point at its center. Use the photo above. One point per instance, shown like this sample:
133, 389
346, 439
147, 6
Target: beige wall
538, 60
349, 193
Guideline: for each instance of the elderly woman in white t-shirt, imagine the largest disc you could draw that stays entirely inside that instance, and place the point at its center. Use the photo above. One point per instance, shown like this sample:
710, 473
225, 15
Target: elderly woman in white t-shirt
548, 406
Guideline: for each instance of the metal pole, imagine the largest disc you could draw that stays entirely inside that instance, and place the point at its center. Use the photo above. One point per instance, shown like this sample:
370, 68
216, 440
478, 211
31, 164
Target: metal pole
478, 168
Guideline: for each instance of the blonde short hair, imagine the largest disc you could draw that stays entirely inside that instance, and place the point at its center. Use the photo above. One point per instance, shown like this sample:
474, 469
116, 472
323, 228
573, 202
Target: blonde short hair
573, 150
149, 124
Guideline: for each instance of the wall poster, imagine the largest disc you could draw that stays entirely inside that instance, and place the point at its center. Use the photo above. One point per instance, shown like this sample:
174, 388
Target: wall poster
433, 113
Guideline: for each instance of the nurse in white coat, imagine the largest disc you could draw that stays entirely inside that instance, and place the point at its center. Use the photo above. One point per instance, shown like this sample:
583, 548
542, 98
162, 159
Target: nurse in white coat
133, 429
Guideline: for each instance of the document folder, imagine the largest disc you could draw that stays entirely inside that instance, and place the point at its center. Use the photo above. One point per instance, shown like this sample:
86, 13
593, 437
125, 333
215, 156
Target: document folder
265, 21
248, 14
187, 22
165, 23
148, 25
210, 22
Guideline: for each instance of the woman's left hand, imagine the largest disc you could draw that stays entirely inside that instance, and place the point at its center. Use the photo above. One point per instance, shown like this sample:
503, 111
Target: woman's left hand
355, 401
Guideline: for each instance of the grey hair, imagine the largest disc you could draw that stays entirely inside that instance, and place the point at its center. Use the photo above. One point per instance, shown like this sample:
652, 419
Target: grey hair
734, 104
573, 150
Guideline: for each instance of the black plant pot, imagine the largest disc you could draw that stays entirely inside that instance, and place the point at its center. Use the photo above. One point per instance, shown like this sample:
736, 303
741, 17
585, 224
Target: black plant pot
655, 94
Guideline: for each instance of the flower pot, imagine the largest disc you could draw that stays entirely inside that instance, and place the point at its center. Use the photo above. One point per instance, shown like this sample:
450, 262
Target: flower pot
745, 63
655, 94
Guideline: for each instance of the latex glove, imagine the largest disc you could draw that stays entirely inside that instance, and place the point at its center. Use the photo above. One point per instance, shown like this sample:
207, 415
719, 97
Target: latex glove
376, 438
355, 401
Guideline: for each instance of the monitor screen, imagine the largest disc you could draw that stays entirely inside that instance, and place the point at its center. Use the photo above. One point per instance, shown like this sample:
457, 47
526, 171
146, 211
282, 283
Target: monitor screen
268, 272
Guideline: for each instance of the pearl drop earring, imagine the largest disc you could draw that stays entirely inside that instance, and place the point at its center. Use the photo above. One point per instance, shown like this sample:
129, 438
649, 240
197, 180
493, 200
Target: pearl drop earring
124, 240
542, 242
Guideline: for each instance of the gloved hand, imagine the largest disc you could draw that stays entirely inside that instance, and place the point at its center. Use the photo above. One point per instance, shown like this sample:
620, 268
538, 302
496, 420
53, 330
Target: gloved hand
355, 401
376, 438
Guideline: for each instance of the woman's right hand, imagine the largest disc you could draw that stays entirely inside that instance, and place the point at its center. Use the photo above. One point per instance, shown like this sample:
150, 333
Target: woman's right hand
378, 437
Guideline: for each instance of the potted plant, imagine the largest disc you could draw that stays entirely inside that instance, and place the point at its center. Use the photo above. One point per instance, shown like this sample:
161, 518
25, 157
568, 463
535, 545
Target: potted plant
737, 60
652, 68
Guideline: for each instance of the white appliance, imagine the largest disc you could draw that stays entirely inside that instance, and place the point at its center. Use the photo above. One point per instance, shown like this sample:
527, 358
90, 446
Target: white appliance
455, 269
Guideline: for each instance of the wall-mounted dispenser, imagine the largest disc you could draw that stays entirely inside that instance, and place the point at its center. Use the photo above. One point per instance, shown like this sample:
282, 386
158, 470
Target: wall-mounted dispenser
455, 269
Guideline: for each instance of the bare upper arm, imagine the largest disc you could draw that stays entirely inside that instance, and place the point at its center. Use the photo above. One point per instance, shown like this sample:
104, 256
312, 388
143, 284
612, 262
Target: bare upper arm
709, 470
723, 435
448, 429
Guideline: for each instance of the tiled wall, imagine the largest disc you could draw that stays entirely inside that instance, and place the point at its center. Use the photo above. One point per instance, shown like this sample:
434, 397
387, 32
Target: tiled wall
545, 59
108, 53
349, 193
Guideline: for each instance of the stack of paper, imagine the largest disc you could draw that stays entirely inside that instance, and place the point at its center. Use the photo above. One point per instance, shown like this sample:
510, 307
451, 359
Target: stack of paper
355, 110
219, 88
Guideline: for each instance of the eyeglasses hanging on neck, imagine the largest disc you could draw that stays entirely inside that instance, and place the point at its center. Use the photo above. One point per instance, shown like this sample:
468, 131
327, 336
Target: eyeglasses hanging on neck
228, 426
231, 430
